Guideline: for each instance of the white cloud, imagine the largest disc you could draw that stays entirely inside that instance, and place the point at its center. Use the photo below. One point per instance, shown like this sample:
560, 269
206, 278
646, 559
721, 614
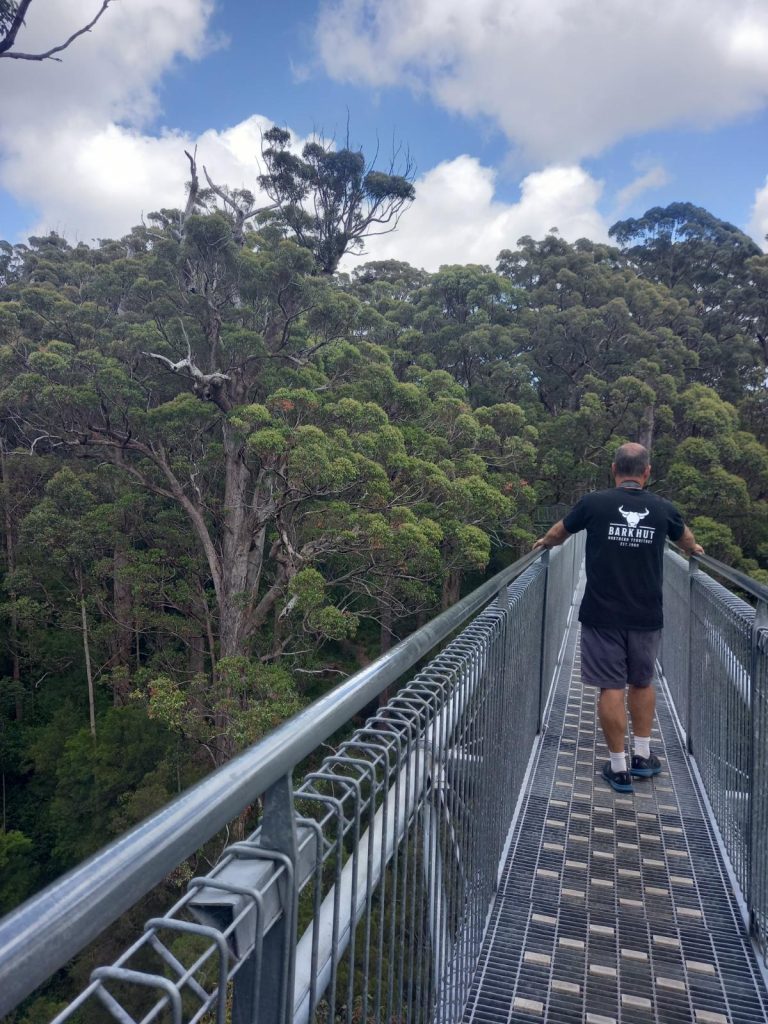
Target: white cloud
456, 219
71, 145
114, 174
111, 72
654, 177
76, 146
758, 222
566, 78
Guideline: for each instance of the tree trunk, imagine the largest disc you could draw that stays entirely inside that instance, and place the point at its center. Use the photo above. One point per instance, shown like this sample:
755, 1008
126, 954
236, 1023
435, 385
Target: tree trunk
209, 634
88, 671
10, 553
241, 555
451, 589
386, 635
236, 564
234, 633
197, 655
645, 436
121, 642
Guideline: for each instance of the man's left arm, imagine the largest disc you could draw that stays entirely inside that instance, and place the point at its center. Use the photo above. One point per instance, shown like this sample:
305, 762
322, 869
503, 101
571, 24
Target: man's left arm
681, 534
688, 543
556, 535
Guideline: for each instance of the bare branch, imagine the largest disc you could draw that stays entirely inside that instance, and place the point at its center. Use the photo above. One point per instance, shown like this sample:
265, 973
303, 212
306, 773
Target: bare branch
194, 185
241, 213
7, 42
206, 385
16, 23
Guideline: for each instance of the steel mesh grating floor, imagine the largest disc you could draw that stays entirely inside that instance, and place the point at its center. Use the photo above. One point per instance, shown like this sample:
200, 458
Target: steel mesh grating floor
613, 909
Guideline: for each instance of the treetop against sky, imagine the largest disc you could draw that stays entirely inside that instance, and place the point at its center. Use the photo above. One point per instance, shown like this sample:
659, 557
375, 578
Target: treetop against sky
517, 116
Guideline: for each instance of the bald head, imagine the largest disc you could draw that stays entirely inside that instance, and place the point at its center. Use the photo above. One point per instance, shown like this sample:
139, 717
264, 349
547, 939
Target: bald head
631, 462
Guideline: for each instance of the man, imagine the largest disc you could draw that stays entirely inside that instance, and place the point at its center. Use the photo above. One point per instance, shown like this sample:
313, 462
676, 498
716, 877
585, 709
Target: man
621, 613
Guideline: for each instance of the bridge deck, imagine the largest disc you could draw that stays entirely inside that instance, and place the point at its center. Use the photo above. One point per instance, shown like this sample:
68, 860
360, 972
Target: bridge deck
613, 909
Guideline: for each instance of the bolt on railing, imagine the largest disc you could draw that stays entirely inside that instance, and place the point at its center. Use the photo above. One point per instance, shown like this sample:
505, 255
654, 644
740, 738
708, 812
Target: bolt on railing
364, 892
715, 660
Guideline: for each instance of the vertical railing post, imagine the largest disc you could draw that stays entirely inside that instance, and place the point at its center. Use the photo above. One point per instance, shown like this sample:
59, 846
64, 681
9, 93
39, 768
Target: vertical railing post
278, 953
693, 569
543, 649
757, 822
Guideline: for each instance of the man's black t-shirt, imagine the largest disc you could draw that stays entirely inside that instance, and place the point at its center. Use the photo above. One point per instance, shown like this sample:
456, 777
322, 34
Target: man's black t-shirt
626, 529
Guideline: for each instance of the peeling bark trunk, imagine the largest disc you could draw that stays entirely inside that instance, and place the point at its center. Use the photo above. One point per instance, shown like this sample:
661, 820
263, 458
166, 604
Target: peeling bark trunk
242, 554
233, 630
645, 436
451, 589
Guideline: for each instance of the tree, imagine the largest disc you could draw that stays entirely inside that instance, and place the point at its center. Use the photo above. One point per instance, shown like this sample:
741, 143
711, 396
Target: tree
69, 527
12, 18
717, 269
331, 200
247, 310
16, 872
216, 377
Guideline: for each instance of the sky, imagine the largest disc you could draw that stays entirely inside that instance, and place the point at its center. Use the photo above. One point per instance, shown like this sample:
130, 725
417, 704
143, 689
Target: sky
518, 116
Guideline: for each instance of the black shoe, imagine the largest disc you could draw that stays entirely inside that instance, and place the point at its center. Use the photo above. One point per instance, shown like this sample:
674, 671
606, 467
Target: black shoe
620, 781
645, 767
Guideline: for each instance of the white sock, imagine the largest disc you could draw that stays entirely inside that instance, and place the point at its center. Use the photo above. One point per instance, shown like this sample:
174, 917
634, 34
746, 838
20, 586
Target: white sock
618, 761
643, 746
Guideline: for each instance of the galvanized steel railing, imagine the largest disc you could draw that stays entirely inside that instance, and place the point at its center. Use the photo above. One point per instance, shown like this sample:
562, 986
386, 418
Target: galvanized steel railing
715, 661
364, 893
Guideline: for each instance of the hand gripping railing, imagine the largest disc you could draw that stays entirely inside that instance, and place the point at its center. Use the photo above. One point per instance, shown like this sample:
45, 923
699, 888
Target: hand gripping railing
715, 660
364, 893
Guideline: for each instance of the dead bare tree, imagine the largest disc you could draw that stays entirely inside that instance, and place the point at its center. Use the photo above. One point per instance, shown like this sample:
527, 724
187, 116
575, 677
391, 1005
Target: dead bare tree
12, 15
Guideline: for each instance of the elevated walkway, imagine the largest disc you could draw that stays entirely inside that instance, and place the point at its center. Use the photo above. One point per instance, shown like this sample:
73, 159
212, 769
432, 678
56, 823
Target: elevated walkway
458, 858
613, 909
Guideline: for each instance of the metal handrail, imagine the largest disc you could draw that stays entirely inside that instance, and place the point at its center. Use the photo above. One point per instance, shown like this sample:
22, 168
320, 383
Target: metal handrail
51, 927
739, 579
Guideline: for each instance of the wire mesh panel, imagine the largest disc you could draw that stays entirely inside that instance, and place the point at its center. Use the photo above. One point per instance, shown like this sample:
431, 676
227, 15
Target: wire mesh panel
416, 889
760, 794
720, 715
364, 893
563, 571
675, 639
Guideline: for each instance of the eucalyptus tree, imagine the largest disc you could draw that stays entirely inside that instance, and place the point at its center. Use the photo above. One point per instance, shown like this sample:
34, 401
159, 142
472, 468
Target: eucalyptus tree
332, 199
214, 375
590, 326
717, 268
166, 388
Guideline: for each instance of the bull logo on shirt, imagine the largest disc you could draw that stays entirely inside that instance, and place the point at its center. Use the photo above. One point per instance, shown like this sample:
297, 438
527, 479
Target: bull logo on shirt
633, 518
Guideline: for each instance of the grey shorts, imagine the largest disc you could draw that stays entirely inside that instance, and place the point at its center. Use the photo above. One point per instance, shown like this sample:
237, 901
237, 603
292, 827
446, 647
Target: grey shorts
611, 658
